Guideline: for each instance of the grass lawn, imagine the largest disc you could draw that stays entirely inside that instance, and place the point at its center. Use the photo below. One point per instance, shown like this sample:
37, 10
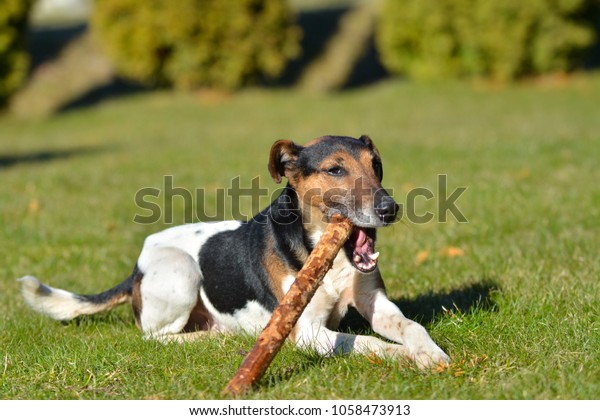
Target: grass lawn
512, 295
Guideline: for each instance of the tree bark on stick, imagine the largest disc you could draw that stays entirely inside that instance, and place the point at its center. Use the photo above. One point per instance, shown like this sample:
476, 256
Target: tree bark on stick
287, 313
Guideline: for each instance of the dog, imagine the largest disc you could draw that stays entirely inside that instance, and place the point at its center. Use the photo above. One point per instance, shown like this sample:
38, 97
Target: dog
229, 276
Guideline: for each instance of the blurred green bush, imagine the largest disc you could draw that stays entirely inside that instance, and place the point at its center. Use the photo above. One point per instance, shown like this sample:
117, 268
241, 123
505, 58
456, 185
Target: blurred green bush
197, 43
500, 40
14, 59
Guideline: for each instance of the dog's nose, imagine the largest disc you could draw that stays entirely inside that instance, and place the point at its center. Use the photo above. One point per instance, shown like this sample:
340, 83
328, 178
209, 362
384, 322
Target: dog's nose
387, 210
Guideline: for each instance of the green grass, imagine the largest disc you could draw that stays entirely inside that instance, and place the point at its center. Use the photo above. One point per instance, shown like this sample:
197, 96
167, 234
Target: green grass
517, 312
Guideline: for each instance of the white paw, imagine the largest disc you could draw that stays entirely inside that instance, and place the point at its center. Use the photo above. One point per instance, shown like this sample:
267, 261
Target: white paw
431, 358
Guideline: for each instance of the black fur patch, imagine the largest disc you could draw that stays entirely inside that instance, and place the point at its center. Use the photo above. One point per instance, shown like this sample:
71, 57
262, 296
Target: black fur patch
43, 290
232, 261
311, 157
123, 288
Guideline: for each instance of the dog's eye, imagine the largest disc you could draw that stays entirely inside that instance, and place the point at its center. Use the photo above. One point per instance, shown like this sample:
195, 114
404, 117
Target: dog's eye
336, 171
378, 168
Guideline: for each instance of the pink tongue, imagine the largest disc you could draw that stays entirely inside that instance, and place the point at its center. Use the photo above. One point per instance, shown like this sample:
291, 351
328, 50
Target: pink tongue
361, 244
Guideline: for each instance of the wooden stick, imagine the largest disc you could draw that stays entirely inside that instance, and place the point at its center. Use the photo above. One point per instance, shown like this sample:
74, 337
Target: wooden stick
291, 306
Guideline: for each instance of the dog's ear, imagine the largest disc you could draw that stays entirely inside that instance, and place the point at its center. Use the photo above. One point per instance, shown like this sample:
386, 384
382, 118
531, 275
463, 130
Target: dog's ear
377, 165
367, 140
284, 154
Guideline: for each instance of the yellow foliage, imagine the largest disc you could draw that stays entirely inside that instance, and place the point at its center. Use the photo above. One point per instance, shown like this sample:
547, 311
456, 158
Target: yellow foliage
189, 44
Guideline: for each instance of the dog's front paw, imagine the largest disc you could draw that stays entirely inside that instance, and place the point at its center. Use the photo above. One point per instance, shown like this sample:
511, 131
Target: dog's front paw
427, 359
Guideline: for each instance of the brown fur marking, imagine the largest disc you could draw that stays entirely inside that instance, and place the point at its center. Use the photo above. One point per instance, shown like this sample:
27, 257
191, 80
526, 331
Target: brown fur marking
276, 269
200, 319
136, 299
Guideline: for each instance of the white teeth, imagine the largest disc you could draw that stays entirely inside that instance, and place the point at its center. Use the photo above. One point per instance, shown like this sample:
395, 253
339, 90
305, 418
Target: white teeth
357, 258
374, 256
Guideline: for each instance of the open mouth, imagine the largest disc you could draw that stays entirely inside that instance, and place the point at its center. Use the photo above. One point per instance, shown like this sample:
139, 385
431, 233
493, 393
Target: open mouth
361, 249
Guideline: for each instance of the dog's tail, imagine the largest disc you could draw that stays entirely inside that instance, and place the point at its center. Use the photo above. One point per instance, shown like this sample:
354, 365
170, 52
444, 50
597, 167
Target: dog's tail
63, 305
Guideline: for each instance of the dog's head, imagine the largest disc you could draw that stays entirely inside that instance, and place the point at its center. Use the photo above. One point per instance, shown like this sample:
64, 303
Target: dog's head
338, 175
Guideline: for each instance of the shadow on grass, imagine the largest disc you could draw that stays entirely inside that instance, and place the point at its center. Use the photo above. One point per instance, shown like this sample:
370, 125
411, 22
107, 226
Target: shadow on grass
122, 317
45, 44
427, 307
113, 89
318, 27
475, 296
8, 160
